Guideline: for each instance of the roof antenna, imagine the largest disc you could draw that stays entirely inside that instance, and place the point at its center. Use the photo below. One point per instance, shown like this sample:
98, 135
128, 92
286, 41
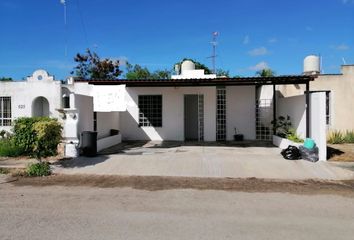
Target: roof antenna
213, 56
66, 27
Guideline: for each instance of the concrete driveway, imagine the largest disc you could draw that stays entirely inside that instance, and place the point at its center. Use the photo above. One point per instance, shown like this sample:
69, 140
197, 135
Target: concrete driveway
234, 160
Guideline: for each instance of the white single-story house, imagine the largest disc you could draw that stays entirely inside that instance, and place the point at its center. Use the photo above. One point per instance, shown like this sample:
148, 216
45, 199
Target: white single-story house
189, 106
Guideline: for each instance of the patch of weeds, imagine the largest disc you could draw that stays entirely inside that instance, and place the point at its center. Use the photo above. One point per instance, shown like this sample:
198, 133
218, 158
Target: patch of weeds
4, 171
38, 169
335, 137
349, 137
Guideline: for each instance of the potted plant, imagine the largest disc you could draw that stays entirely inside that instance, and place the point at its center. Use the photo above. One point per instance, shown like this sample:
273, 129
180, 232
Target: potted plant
285, 135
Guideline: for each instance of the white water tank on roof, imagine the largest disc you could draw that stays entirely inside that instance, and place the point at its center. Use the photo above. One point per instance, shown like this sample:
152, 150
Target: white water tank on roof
312, 65
187, 65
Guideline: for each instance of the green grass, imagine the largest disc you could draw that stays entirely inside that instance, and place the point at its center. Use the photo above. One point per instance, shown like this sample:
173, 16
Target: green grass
9, 149
349, 137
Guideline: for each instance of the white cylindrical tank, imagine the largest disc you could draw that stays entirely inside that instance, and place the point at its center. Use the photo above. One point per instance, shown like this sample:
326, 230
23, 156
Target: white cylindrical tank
187, 65
312, 64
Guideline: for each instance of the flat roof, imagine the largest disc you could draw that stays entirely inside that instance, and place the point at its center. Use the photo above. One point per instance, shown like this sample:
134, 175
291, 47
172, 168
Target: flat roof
242, 81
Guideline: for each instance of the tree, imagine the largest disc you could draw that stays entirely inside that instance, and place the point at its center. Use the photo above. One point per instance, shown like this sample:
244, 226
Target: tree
5, 79
91, 66
138, 72
267, 72
222, 73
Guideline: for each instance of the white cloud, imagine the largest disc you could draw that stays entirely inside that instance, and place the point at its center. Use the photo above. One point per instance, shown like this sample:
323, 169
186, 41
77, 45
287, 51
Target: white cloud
259, 66
341, 47
258, 51
246, 40
272, 40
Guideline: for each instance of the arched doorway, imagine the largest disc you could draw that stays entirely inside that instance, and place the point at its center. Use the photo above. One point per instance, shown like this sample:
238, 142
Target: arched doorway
40, 107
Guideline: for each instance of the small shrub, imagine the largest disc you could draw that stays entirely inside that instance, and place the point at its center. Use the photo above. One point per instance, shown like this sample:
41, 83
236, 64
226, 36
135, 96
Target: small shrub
282, 126
335, 137
349, 136
38, 169
37, 137
48, 136
292, 136
8, 148
24, 135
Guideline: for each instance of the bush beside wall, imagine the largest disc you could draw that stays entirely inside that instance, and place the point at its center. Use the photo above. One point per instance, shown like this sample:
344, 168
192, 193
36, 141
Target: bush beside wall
36, 137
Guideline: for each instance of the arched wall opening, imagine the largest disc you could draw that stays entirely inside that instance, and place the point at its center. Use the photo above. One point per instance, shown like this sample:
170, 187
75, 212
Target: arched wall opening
40, 107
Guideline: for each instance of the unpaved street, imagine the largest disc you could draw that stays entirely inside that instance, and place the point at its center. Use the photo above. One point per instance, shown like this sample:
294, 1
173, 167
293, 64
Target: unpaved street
78, 212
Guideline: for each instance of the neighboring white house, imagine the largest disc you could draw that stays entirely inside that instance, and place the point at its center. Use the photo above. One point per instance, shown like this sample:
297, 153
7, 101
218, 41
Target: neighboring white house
189, 106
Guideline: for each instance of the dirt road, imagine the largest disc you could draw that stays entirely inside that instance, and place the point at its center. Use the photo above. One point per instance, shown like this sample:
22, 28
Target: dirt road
29, 210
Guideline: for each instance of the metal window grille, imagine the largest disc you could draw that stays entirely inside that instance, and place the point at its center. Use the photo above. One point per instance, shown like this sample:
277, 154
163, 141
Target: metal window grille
201, 116
220, 114
264, 117
5, 111
328, 107
150, 110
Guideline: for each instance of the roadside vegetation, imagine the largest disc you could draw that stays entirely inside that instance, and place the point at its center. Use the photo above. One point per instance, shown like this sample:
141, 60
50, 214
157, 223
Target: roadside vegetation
339, 137
36, 137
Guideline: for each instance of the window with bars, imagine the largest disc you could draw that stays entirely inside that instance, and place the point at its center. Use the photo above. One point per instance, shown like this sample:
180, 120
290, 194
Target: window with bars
5, 111
264, 117
328, 107
201, 116
150, 110
220, 114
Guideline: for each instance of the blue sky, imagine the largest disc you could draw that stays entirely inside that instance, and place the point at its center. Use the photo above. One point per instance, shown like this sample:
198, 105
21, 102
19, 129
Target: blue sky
158, 33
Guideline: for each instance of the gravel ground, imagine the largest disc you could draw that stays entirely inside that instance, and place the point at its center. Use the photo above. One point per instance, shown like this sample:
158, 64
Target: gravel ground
83, 212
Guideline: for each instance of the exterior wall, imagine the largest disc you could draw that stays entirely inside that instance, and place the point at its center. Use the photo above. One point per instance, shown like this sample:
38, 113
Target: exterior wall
295, 107
23, 94
240, 111
84, 106
172, 113
105, 122
342, 91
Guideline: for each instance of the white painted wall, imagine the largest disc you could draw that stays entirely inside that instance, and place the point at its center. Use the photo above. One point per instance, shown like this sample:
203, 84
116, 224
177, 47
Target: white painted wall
295, 108
84, 105
23, 93
240, 111
172, 113
318, 123
105, 122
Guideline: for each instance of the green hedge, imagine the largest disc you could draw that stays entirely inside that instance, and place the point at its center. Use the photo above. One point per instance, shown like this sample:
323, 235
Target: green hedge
38, 136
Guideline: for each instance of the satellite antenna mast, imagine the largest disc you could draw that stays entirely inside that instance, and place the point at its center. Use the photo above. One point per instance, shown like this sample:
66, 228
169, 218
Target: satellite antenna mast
66, 27
213, 56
